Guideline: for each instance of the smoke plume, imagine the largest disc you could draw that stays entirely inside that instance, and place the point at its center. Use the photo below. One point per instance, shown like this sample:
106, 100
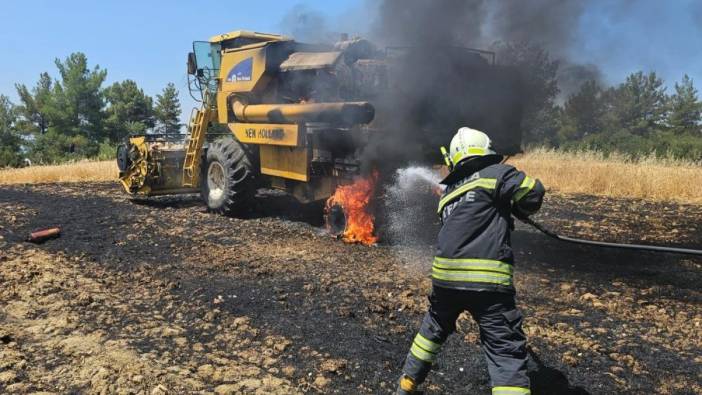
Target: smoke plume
435, 86
551, 24
306, 25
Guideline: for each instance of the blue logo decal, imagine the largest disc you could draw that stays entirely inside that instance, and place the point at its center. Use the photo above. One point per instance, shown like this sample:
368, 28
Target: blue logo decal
241, 71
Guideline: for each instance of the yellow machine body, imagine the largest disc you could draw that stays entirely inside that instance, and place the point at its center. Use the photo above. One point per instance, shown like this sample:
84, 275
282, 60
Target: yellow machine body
285, 162
242, 76
286, 135
282, 152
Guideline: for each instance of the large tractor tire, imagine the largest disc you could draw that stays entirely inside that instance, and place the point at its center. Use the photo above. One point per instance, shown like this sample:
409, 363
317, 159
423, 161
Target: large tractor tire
228, 183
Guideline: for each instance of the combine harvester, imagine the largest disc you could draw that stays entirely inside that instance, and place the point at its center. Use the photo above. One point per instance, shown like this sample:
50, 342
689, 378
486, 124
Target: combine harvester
298, 117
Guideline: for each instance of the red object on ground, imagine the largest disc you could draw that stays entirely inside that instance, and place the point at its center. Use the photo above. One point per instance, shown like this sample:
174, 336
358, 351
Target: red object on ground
43, 235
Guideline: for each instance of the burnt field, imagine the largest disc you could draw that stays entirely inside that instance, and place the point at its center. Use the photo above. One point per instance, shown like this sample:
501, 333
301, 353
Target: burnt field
161, 297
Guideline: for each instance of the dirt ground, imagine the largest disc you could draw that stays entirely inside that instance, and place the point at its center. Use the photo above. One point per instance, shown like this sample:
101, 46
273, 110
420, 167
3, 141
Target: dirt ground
161, 297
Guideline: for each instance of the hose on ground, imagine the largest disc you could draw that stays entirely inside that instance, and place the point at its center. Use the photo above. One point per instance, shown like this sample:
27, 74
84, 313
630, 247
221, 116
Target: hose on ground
638, 247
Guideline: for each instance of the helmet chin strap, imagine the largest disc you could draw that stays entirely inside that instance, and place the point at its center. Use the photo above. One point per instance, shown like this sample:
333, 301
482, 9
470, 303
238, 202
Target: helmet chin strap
447, 158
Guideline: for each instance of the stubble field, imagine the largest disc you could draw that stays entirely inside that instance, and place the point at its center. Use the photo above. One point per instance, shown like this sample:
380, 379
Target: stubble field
160, 297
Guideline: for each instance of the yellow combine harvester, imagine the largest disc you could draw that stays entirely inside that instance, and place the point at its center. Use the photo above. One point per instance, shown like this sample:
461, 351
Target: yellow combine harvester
294, 116
258, 86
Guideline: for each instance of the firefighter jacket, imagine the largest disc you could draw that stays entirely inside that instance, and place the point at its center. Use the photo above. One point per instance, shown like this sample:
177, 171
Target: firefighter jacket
474, 250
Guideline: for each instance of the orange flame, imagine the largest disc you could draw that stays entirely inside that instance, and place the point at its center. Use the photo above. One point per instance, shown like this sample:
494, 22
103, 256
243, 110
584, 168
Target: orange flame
354, 199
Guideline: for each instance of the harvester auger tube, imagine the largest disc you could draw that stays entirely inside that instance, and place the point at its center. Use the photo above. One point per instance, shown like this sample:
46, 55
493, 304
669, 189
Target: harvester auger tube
347, 113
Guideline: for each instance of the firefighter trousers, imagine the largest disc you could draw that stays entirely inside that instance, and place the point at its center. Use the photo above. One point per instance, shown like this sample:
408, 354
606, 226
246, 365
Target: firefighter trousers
501, 336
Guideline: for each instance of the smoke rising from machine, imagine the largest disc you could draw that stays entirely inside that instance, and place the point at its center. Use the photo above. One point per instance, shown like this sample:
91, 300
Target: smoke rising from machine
436, 83
435, 86
306, 25
435, 89
551, 24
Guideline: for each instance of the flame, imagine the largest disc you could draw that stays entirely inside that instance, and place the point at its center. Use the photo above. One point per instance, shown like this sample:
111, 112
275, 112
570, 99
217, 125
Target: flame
354, 199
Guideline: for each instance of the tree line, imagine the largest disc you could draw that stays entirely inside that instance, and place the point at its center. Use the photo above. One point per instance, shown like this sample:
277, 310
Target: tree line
74, 116
636, 117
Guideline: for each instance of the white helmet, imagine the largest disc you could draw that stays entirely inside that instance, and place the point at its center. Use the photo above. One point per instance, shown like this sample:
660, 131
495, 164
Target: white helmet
468, 143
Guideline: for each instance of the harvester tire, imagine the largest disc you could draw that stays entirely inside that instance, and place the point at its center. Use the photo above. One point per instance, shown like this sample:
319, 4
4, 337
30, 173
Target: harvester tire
123, 161
228, 182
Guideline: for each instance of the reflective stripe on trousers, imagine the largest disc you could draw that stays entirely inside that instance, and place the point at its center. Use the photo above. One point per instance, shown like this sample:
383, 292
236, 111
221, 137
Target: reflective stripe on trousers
510, 391
472, 271
424, 349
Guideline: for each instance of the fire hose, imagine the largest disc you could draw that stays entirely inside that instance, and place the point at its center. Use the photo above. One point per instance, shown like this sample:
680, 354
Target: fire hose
638, 247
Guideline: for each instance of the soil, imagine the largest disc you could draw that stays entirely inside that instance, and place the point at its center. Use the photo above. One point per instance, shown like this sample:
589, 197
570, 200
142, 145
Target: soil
160, 297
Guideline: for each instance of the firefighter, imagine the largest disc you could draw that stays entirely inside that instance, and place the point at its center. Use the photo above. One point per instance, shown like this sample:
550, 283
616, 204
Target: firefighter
473, 266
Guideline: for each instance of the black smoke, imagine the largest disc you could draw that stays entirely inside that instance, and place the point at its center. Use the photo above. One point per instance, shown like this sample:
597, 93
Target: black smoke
549, 24
571, 76
436, 86
307, 25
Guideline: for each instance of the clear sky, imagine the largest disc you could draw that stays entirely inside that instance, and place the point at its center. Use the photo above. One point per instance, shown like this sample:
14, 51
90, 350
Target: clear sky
148, 40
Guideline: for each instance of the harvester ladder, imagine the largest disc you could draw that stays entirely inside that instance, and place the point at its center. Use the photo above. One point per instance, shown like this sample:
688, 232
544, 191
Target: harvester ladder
197, 130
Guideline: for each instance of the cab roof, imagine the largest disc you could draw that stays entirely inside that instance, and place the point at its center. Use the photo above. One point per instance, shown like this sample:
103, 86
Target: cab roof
248, 34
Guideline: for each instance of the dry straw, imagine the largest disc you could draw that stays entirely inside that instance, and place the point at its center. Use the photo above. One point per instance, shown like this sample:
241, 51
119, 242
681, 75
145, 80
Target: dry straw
68, 172
588, 172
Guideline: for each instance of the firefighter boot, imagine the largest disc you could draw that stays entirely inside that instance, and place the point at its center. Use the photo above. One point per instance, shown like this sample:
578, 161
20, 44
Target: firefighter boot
407, 386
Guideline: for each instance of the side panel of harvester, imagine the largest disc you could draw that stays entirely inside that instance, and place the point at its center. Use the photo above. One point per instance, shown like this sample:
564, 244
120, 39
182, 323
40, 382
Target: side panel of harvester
244, 75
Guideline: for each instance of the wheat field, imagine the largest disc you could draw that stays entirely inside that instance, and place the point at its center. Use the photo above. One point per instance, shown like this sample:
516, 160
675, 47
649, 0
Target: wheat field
617, 176
67, 172
567, 172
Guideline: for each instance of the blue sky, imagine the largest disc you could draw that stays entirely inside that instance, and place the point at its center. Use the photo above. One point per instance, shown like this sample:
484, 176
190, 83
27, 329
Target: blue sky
650, 35
147, 40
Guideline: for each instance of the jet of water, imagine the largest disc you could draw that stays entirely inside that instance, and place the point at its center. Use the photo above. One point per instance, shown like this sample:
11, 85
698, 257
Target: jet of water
410, 213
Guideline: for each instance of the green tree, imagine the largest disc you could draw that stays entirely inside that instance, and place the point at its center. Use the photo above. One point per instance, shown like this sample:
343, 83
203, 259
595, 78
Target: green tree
167, 110
638, 105
582, 112
539, 76
32, 110
10, 140
129, 110
74, 112
77, 105
685, 108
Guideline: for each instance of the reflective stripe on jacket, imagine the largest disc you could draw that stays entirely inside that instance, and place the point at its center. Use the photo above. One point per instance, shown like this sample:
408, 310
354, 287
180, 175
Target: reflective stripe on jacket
474, 250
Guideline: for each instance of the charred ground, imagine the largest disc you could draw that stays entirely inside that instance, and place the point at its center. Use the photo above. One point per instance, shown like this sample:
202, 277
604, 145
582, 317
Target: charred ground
162, 296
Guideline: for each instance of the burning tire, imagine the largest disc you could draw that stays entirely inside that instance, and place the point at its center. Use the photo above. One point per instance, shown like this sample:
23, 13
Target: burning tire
349, 212
336, 221
228, 184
